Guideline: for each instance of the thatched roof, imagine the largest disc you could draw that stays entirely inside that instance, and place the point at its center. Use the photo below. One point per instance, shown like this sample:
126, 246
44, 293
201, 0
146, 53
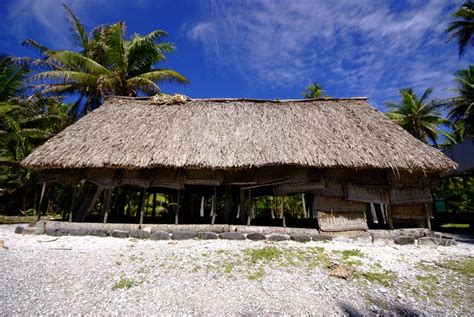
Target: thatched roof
237, 133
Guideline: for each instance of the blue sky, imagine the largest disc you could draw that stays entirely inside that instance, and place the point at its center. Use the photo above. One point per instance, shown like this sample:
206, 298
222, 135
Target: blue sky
270, 48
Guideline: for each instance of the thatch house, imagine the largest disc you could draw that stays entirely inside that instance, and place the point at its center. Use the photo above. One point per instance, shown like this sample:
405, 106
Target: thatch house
349, 159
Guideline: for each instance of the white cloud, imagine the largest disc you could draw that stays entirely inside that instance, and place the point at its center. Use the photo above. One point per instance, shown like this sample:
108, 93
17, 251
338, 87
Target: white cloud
46, 19
357, 46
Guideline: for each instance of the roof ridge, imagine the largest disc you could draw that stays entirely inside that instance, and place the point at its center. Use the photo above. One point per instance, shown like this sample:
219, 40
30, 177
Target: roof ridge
245, 99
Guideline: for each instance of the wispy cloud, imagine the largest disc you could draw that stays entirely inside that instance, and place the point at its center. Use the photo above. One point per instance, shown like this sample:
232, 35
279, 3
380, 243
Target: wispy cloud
47, 19
357, 47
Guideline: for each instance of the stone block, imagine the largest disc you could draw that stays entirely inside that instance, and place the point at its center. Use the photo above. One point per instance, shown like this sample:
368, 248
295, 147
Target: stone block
256, 236
207, 235
320, 237
183, 235
426, 241
34, 230
160, 235
19, 229
140, 234
300, 237
404, 240
120, 234
98, 232
278, 237
232, 236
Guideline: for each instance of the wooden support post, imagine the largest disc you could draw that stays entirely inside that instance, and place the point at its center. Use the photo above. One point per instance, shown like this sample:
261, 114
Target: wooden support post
153, 210
201, 210
242, 207
140, 207
107, 203
89, 206
273, 207
428, 211
283, 211
214, 206
41, 200
303, 201
227, 204
71, 207
250, 209
389, 216
176, 215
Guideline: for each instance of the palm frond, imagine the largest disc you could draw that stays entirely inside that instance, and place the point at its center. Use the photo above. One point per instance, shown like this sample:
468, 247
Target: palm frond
78, 30
40, 47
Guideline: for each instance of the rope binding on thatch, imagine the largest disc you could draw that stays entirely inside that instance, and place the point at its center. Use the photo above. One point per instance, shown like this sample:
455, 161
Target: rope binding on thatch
163, 99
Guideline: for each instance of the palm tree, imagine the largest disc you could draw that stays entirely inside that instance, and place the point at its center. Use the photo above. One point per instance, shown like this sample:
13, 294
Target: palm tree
24, 124
418, 116
462, 106
313, 91
107, 64
463, 27
12, 76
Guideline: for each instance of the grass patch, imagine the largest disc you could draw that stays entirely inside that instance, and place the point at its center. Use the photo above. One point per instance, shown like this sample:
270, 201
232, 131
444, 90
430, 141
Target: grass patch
455, 225
124, 283
9, 220
265, 254
228, 268
346, 254
464, 266
257, 275
428, 283
377, 274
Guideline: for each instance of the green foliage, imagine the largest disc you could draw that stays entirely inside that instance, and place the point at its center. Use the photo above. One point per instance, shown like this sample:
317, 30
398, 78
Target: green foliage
12, 75
24, 124
266, 254
420, 117
124, 283
313, 91
463, 266
463, 26
458, 191
462, 106
257, 275
108, 64
376, 274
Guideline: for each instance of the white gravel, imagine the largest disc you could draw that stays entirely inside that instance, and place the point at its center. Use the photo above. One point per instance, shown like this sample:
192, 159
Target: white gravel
77, 275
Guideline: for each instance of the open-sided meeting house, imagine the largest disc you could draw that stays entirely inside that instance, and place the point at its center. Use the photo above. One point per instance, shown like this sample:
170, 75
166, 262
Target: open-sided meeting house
351, 166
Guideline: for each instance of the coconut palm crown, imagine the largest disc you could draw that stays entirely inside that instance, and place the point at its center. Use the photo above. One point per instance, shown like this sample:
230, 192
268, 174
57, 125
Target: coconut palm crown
463, 27
462, 106
107, 64
417, 115
313, 91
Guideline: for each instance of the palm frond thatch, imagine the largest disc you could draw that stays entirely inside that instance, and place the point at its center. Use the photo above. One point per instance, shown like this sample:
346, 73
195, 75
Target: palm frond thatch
237, 133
